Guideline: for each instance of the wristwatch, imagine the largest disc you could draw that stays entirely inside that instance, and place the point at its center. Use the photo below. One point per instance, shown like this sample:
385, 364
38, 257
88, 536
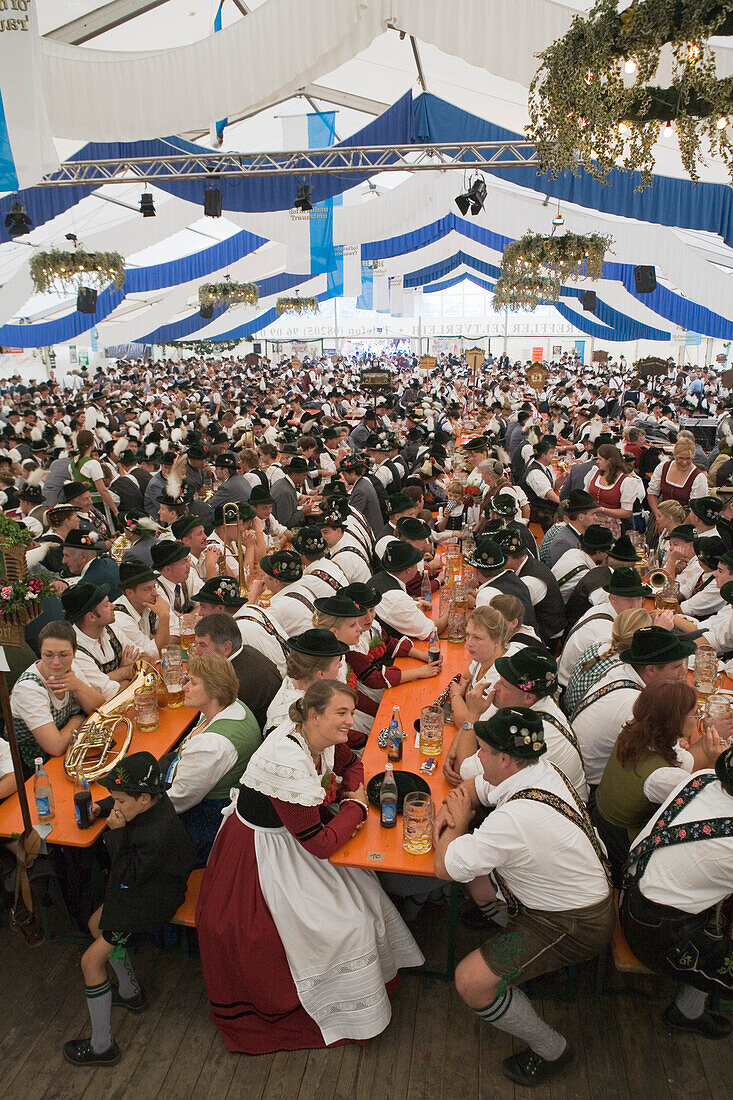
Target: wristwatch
467, 726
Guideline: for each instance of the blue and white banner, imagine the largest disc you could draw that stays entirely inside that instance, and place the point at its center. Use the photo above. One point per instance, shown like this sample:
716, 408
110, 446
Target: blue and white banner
26, 150
314, 131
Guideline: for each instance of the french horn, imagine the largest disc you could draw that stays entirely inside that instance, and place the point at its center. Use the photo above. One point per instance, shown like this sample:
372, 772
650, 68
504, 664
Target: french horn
657, 579
94, 749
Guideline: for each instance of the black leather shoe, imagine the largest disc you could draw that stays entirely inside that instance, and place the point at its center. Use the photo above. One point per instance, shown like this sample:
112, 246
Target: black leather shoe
79, 1052
138, 1003
708, 1025
528, 1068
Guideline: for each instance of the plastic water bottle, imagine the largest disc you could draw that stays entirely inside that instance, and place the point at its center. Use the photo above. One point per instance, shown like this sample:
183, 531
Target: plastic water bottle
388, 799
425, 589
434, 647
43, 792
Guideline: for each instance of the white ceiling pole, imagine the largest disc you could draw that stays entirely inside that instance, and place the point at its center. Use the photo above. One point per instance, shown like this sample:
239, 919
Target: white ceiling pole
89, 26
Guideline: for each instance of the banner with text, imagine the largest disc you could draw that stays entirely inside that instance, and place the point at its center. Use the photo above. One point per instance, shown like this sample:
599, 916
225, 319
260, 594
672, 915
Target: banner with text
26, 150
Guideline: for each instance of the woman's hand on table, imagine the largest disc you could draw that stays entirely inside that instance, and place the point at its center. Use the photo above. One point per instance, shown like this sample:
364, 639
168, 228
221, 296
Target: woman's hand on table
429, 670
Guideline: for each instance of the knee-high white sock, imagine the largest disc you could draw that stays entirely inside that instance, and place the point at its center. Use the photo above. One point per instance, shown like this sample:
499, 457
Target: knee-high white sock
513, 1013
129, 986
99, 1004
691, 1002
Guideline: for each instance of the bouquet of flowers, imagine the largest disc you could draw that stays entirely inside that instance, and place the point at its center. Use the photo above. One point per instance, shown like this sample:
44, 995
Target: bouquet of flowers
22, 600
470, 495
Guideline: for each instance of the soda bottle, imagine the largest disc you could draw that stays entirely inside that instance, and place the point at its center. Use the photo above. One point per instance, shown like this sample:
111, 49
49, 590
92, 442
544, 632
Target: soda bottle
82, 802
43, 793
396, 736
425, 590
388, 799
434, 647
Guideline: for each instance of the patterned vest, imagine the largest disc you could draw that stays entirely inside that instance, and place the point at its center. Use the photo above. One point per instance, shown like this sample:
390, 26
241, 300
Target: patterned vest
29, 747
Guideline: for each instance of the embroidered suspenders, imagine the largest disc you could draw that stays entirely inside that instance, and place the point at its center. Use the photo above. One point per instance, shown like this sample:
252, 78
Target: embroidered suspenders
266, 625
591, 618
324, 576
573, 573
564, 730
106, 666
615, 685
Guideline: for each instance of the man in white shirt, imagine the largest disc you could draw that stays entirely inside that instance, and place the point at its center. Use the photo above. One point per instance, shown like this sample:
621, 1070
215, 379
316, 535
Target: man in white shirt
343, 549
177, 581
538, 850
398, 613
321, 576
595, 542
274, 533
141, 612
292, 604
680, 875
104, 657
191, 532
717, 630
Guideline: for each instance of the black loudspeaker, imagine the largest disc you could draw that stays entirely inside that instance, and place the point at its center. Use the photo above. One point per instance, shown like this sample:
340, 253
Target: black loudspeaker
212, 203
207, 312
257, 347
589, 301
86, 300
645, 279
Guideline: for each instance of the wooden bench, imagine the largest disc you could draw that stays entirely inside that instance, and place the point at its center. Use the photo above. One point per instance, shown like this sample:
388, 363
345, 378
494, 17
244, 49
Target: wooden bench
186, 913
623, 957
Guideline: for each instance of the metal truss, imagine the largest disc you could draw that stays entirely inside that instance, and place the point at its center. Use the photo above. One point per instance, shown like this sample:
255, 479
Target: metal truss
341, 160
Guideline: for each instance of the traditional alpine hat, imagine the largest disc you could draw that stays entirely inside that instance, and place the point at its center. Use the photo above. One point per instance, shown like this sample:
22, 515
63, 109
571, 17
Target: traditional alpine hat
579, 501
478, 443
133, 573
227, 460
331, 517
137, 773
683, 532
260, 495
341, 607
334, 490
710, 550
727, 559
221, 592
71, 490
509, 541
309, 541
623, 549
400, 555
409, 527
363, 595
486, 556
31, 494
531, 670
196, 449
85, 540
627, 582
724, 770
284, 566
182, 500
517, 731
726, 592
503, 504
318, 643
353, 464
224, 513
185, 525
707, 509
81, 598
596, 537
167, 552
399, 502
297, 465
653, 645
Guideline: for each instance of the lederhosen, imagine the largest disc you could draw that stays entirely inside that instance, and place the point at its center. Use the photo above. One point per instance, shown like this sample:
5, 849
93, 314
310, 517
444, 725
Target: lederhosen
106, 666
696, 948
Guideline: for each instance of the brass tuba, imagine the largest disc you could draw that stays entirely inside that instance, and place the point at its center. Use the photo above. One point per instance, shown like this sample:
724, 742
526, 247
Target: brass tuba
118, 547
657, 579
95, 737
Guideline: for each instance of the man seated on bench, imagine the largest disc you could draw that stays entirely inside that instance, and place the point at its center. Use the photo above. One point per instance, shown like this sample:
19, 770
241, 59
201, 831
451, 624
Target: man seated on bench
675, 910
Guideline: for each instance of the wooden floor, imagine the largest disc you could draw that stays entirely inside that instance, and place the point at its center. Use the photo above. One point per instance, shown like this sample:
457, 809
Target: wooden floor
434, 1048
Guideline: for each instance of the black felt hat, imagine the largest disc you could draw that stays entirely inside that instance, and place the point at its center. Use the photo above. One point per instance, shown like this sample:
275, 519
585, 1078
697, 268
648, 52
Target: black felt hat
197, 450
400, 555
504, 505
486, 555
225, 513
72, 490
683, 532
596, 537
653, 645
31, 494
707, 509
363, 595
136, 773
185, 525
220, 591
517, 731
136, 572
81, 598
626, 582
531, 670
318, 643
284, 566
399, 502
579, 501
85, 540
309, 541
710, 550
260, 495
478, 443
510, 541
227, 460
340, 606
354, 464
726, 592
409, 527
167, 552
623, 549
297, 465
331, 517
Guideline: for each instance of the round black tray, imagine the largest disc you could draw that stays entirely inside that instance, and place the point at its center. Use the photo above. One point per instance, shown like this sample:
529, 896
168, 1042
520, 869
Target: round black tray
407, 782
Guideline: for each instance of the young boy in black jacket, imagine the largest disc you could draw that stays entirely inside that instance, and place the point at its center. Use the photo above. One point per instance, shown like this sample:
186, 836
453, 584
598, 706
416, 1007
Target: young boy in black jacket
151, 857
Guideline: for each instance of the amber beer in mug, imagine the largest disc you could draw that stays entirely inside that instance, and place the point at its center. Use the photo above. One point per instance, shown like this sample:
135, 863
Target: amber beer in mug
175, 695
173, 675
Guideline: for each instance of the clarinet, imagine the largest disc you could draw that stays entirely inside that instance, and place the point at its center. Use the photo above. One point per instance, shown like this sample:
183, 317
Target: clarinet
444, 696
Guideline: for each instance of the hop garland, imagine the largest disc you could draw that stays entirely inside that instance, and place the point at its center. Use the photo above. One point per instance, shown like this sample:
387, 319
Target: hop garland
297, 305
591, 100
534, 267
61, 270
229, 293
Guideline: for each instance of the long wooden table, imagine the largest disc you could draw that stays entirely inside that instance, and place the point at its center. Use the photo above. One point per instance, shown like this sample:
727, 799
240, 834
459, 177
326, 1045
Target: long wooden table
173, 725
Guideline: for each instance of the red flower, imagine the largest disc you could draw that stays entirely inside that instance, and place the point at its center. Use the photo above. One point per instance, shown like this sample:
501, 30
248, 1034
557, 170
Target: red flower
330, 789
683, 833
678, 802
35, 585
706, 828
351, 681
657, 840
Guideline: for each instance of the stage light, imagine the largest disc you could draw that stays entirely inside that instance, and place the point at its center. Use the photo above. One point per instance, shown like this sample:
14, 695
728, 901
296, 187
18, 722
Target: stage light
17, 221
473, 199
303, 198
147, 205
212, 202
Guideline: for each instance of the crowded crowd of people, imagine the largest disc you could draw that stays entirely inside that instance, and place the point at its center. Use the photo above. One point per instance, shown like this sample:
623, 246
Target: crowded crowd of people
303, 519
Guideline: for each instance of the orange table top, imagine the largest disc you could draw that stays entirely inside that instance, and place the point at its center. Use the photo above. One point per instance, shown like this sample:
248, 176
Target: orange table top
373, 847
173, 725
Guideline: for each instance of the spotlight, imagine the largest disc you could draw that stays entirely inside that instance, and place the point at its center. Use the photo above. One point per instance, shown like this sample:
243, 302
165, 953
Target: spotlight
212, 202
473, 199
86, 300
147, 205
303, 198
17, 221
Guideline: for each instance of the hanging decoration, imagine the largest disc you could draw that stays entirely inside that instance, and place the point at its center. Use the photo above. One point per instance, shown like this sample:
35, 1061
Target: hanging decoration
57, 270
228, 293
526, 292
202, 348
296, 304
534, 267
592, 101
